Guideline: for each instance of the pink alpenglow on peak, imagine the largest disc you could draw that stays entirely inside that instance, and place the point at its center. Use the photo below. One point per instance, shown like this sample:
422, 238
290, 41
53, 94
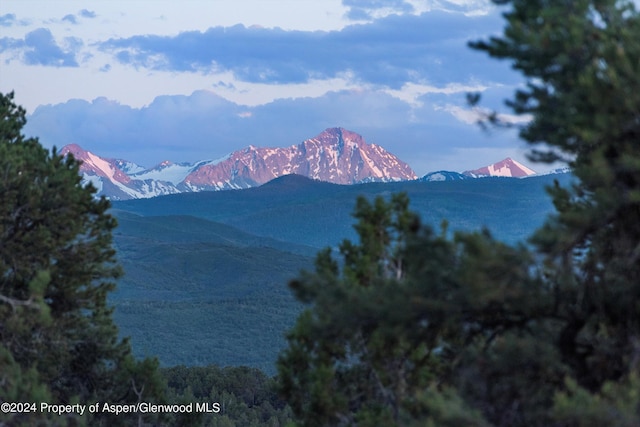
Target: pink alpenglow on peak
96, 165
111, 177
507, 167
336, 155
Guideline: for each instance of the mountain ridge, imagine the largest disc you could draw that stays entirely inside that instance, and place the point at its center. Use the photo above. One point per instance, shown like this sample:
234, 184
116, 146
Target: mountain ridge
336, 155
506, 167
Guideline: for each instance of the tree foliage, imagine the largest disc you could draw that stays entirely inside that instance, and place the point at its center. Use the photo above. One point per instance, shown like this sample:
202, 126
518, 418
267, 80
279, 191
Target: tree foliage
581, 60
246, 396
414, 327
382, 338
58, 343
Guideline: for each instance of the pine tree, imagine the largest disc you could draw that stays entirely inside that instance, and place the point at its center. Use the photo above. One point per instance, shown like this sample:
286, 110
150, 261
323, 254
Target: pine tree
378, 342
581, 61
57, 267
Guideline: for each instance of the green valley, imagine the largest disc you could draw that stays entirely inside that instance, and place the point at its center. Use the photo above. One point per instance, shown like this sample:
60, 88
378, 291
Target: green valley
206, 273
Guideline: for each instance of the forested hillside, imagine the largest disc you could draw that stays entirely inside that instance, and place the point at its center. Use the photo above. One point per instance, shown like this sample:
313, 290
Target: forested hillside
184, 272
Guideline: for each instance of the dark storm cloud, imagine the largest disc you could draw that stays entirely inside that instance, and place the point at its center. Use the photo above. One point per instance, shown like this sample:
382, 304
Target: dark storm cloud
389, 52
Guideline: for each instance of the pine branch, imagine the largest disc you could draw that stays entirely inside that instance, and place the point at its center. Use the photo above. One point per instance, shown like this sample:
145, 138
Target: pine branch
13, 302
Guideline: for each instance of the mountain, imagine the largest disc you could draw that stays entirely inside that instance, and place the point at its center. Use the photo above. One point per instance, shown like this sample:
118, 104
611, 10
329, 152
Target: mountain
443, 176
336, 155
507, 167
313, 213
111, 176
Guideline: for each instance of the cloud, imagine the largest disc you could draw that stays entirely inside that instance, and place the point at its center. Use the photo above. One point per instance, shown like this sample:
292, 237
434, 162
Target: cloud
224, 85
468, 116
10, 19
171, 127
468, 7
8, 43
366, 9
477, 114
206, 126
87, 13
7, 20
391, 51
42, 49
70, 18
73, 19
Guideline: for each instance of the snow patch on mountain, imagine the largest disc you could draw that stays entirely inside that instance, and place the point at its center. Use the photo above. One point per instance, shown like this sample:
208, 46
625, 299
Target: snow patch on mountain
335, 155
443, 176
128, 167
174, 173
506, 168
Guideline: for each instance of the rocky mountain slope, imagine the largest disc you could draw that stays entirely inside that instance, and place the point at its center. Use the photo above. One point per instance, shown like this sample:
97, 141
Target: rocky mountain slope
336, 155
507, 167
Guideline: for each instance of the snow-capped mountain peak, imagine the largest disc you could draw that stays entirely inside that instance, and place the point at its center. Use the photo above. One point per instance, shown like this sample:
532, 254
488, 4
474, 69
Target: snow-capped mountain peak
95, 165
174, 173
507, 167
335, 155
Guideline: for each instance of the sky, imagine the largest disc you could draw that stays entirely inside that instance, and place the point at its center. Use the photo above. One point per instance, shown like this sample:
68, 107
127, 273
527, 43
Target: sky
149, 81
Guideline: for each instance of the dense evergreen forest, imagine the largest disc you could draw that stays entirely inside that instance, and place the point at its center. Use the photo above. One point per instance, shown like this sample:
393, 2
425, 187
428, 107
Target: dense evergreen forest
403, 325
